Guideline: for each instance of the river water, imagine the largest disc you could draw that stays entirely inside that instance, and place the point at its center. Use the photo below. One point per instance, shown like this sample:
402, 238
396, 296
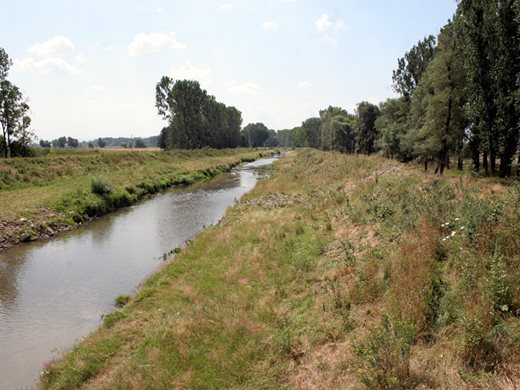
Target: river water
54, 292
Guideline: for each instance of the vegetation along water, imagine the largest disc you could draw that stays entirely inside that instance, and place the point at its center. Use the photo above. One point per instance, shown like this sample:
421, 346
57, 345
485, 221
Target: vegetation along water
337, 270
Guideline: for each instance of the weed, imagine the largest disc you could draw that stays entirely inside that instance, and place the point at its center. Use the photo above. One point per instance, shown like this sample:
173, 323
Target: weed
121, 300
385, 356
101, 186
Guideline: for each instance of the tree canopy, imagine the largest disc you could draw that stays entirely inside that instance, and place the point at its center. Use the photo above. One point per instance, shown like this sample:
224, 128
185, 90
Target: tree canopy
14, 114
195, 119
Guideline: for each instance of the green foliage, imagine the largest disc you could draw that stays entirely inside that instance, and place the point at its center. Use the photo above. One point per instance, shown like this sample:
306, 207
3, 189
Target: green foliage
14, 118
255, 134
337, 131
195, 119
121, 300
412, 66
367, 114
392, 125
385, 356
101, 186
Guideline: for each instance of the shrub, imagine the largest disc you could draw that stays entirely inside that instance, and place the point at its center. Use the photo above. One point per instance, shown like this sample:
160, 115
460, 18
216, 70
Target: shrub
101, 186
385, 356
122, 300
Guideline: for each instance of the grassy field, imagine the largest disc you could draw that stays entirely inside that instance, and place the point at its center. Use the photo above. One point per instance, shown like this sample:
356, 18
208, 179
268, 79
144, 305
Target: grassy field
337, 272
41, 196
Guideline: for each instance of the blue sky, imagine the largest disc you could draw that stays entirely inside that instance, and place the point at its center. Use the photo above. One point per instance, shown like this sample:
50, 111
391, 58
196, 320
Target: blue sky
89, 68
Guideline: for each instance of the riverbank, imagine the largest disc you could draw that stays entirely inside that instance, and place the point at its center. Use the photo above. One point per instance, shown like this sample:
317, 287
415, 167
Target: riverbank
43, 196
339, 271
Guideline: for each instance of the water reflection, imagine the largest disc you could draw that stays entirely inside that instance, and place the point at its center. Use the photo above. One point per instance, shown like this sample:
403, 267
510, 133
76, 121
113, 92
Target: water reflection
54, 292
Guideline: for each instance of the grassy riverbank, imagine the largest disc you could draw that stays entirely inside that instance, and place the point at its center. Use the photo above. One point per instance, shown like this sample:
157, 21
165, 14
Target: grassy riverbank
45, 195
337, 272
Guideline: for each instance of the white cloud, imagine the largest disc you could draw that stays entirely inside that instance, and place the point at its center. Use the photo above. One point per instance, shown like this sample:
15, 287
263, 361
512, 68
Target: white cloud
110, 49
190, 72
270, 25
153, 42
226, 7
250, 89
305, 84
45, 66
329, 28
80, 58
159, 10
325, 23
58, 44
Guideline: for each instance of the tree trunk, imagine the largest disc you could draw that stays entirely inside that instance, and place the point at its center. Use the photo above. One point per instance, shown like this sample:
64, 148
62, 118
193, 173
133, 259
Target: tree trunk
8, 146
518, 165
485, 163
476, 161
460, 164
493, 161
426, 165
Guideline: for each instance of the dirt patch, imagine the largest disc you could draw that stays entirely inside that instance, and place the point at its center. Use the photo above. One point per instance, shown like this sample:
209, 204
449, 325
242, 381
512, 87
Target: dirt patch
44, 224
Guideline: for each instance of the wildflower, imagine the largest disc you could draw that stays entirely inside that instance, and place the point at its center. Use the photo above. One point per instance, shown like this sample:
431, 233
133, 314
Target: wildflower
457, 219
453, 233
444, 239
462, 228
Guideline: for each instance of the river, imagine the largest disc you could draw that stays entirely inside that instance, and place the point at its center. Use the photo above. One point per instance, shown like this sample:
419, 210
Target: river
54, 292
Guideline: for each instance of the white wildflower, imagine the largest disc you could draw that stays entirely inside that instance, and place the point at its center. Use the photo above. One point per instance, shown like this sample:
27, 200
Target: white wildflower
453, 233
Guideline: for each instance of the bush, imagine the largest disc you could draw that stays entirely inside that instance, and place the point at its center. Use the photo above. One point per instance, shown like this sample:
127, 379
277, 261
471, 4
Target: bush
122, 300
101, 186
385, 356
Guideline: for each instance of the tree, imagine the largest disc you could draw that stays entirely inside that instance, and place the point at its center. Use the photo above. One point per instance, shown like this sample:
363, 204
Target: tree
14, 117
90, 144
367, 114
393, 126
72, 142
490, 35
5, 64
442, 130
139, 143
232, 127
412, 66
337, 130
61, 142
45, 144
311, 132
195, 119
255, 134
272, 140
101, 142
286, 137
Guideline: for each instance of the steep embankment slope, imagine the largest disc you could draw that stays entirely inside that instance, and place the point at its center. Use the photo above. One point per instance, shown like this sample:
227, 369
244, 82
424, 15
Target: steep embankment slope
337, 272
42, 196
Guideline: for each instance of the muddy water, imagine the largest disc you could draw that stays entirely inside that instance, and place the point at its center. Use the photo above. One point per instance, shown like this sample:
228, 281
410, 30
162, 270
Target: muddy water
54, 292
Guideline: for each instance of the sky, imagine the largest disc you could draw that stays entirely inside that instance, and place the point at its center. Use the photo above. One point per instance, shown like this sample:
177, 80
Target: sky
89, 68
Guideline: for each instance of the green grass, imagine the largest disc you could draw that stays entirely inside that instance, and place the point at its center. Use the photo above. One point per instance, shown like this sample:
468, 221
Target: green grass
335, 272
47, 194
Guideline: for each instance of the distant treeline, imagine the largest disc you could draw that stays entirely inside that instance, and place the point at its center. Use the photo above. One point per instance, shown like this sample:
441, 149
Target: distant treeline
460, 97
195, 119
110, 142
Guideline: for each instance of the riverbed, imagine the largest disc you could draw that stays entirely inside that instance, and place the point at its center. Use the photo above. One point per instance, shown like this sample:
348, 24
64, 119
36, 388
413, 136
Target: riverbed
54, 292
